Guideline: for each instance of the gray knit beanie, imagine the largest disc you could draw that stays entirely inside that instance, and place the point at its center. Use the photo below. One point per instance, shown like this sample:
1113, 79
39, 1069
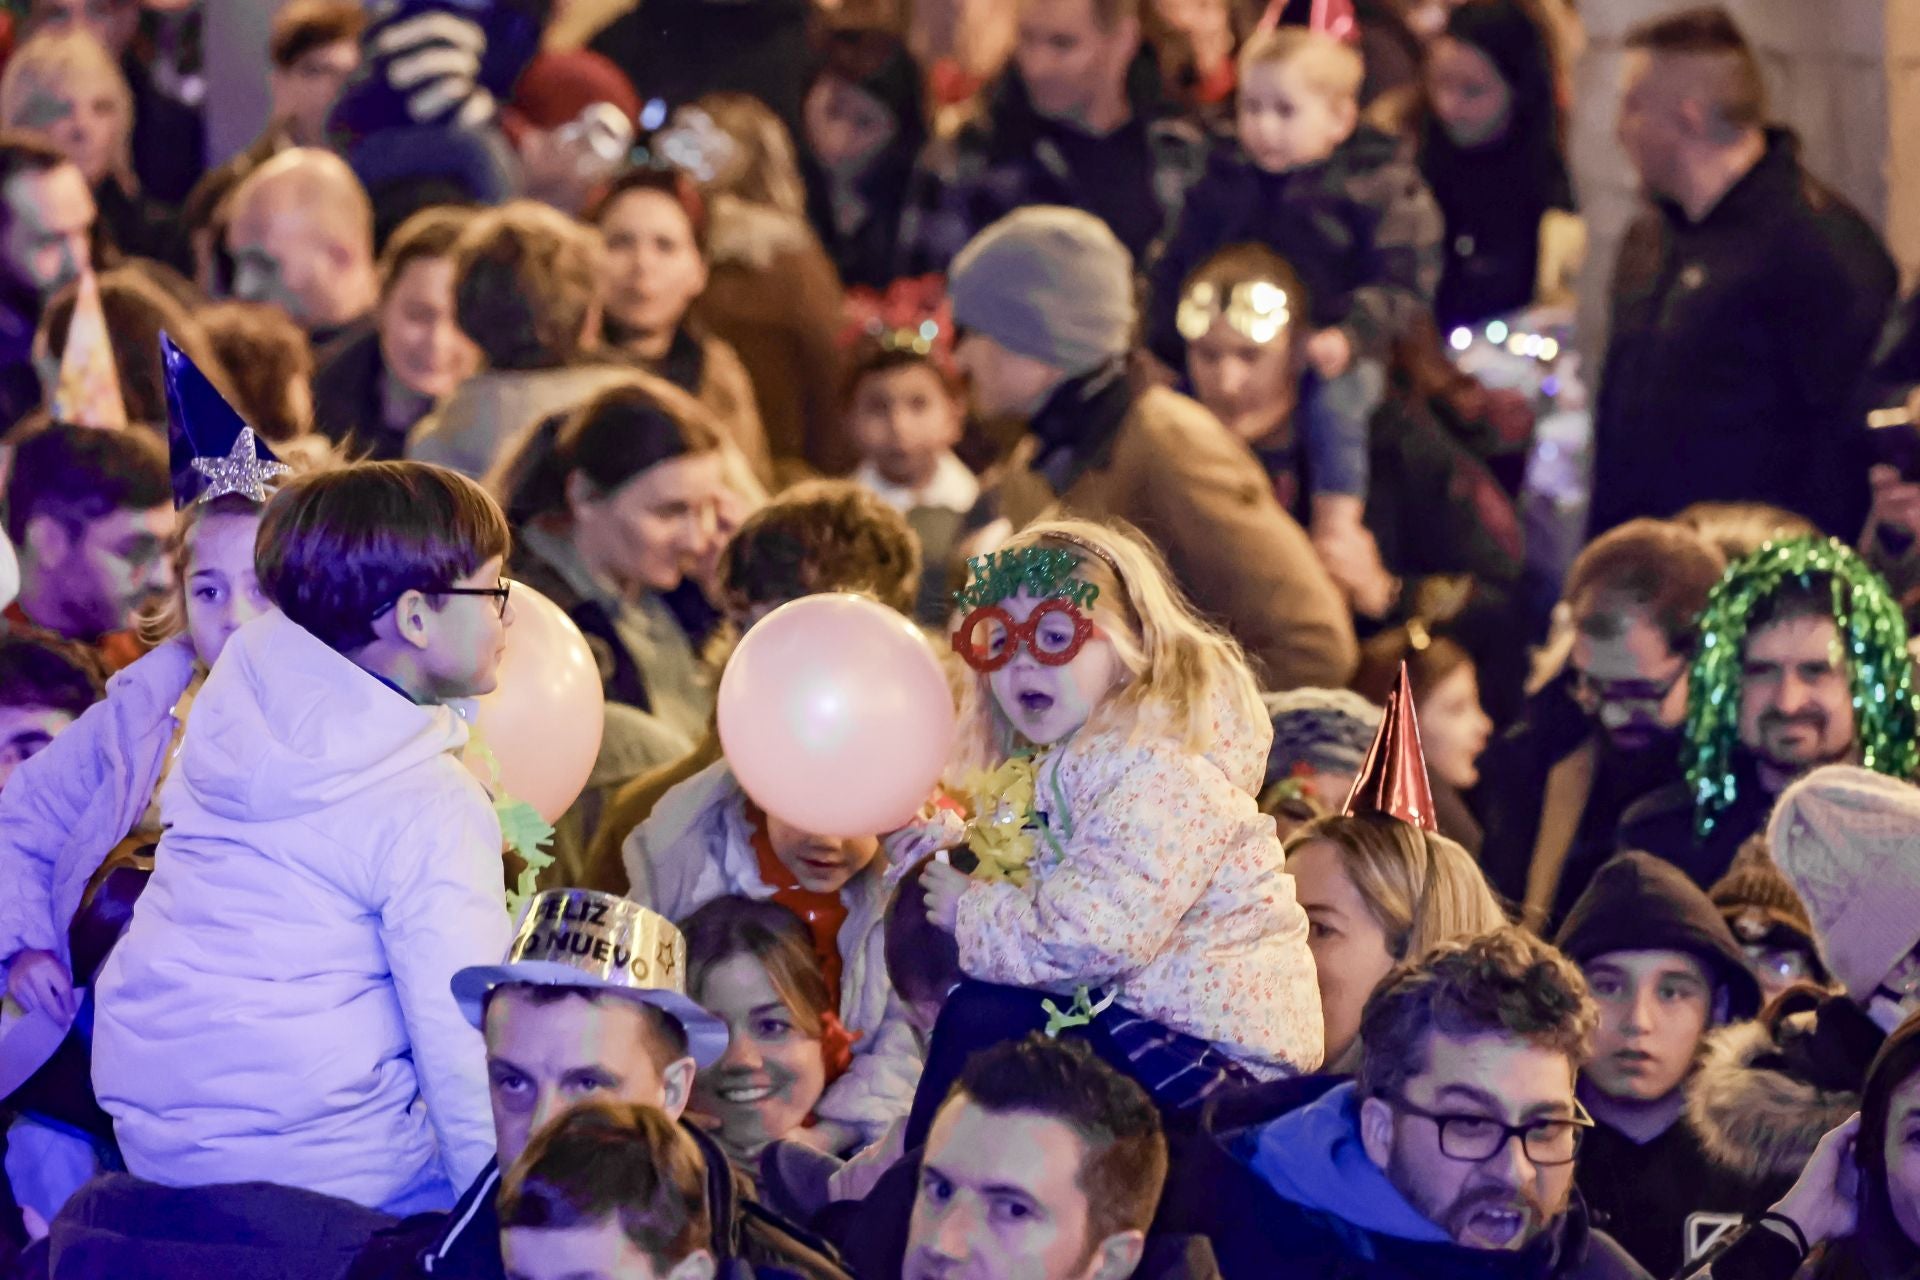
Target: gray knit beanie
1845, 837
1050, 283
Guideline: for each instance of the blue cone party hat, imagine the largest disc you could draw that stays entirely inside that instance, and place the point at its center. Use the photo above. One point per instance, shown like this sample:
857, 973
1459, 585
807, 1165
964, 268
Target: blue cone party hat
214, 451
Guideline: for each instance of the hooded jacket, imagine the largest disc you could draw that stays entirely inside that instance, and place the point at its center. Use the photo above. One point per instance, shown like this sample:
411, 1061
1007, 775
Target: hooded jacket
696, 846
1171, 892
279, 1008
1765, 1092
1638, 902
1305, 1200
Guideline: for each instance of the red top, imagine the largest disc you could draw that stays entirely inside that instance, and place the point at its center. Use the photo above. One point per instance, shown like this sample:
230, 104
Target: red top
823, 912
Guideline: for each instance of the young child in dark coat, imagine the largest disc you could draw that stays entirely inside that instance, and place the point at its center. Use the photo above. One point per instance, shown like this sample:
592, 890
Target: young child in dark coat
1345, 204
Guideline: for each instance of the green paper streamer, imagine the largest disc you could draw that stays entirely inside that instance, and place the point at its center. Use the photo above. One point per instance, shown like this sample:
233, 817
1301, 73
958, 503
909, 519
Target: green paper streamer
1873, 636
1040, 571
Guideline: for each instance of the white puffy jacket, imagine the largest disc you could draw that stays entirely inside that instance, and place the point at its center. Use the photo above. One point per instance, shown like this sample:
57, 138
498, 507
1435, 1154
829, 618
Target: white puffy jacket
279, 1007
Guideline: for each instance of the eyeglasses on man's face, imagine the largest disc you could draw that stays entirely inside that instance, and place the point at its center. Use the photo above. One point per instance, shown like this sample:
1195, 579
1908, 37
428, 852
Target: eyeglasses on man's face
1472, 1138
1593, 693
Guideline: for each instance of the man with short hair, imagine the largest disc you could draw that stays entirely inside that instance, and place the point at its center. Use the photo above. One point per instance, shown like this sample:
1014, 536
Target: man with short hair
46, 239
1072, 121
1745, 304
526, 289
1044, 1161
590, 1004
1802, 662
301, 237
89, 512
1664, 969
1453, 1153
1606, 732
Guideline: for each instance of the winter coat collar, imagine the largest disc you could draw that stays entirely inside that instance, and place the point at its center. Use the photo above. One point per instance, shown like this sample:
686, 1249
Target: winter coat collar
1765, 1092
1076, 427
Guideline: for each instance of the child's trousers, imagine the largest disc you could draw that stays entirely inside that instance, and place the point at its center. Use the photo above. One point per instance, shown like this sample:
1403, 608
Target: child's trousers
1178, 1070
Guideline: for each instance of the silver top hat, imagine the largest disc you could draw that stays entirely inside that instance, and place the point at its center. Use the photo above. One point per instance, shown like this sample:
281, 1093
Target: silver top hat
584, 938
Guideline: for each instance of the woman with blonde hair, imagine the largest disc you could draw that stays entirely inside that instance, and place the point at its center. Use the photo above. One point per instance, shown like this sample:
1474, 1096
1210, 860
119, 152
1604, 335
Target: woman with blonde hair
772, 293
1129, 886
66, 87
1378, 892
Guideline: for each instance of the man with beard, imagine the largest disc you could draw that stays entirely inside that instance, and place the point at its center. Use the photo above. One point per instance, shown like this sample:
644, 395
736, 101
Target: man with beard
1453, 1152
1606, 732
1802, 662
46, 240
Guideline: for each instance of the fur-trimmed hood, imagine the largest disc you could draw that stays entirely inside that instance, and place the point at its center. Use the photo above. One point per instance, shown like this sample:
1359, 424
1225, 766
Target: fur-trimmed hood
1755, 1112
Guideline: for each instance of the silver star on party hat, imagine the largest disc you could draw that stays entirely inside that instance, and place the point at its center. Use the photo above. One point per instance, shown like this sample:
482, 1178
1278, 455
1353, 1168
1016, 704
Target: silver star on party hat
242, 471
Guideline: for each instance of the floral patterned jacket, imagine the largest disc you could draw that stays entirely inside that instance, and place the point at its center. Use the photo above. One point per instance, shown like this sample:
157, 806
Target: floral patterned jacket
1169, 886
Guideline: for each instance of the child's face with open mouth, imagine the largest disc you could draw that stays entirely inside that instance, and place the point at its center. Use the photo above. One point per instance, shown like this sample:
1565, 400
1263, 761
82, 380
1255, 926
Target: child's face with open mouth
1048, 703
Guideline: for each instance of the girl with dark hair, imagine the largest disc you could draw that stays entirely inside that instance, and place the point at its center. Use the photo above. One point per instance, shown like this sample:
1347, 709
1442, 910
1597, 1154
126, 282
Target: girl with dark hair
1493, 150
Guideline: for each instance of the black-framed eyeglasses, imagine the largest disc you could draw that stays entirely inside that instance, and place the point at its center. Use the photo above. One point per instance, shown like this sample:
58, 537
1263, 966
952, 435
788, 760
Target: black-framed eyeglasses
499, 593
1644, 695
1472, 1138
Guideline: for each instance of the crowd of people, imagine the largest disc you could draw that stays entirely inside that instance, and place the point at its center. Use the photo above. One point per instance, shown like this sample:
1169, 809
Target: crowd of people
1320, 883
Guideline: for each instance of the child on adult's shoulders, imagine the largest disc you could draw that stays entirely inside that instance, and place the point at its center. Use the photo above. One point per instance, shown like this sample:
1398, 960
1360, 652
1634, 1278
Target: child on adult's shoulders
328, 865
1347, 206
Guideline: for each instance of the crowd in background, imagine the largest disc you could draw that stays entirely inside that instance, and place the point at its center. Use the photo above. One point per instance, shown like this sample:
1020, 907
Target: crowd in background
1130, 348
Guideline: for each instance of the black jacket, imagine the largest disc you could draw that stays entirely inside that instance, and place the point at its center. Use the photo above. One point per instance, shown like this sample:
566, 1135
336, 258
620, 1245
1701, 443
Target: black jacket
1360, 228
679, 50
1257, 1235
347, 406
1663, 823
1513, 785
1133, 179
1738, 348
748, 1240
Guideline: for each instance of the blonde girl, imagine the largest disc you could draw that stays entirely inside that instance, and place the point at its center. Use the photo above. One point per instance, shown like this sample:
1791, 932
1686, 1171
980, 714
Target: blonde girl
1131, 890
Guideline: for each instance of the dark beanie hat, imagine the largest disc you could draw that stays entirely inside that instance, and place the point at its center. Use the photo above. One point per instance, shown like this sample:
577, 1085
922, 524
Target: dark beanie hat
1638, 902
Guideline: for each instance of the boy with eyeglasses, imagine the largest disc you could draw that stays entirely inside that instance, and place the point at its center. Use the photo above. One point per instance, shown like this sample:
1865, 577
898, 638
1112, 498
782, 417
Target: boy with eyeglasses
1665, 970
1453, 1152
279, 1009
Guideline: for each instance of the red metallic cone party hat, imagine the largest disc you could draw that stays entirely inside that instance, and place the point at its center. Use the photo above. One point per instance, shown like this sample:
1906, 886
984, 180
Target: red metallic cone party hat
1393, 780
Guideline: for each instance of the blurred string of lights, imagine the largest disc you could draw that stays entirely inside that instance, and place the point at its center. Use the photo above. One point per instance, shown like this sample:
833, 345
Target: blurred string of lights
1515, 341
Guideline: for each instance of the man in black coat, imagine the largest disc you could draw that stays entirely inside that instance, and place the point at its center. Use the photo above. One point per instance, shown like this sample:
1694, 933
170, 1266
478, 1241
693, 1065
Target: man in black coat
1745, 304
1450, 1156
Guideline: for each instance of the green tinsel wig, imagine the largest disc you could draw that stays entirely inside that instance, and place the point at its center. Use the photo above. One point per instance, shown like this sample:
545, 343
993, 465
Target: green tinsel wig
1873, 636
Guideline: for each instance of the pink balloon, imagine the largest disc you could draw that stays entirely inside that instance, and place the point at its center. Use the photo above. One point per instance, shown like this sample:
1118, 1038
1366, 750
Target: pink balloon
835, 716
543, 721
